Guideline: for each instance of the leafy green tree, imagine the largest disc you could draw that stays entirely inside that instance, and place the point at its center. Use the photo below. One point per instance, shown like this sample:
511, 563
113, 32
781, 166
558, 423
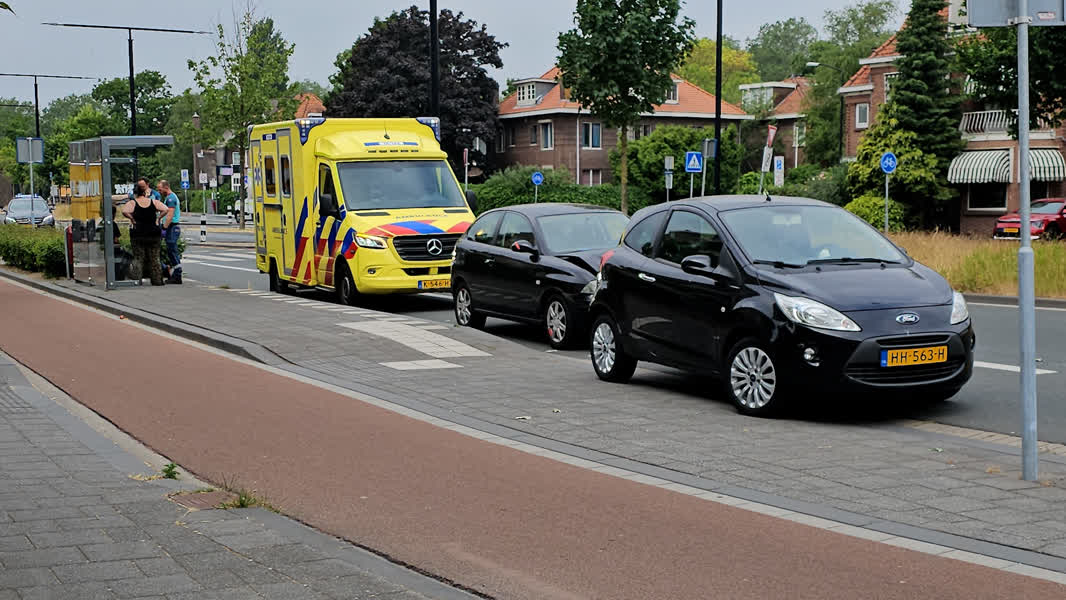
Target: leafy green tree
924, 101
314, 87
65, 107
88, 122
619, 59
386, 74
853, 32
646, 159
738, 68
244, 84
781, 48
153, 101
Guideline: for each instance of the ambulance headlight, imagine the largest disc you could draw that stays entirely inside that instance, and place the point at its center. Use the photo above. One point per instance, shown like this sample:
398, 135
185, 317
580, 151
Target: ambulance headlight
369, 241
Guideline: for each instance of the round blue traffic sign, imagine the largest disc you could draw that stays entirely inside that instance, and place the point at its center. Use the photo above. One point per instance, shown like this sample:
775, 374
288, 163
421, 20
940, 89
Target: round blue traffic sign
889, 162
538, 178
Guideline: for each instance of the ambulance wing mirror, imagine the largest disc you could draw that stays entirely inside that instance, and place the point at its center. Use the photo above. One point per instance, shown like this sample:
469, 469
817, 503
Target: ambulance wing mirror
471, 200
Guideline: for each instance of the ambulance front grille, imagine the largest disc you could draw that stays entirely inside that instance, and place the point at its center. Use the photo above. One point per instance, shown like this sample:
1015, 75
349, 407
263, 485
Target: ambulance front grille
416, 247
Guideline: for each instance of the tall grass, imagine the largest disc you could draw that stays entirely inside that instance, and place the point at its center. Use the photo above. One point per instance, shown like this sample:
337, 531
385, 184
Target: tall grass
986, 266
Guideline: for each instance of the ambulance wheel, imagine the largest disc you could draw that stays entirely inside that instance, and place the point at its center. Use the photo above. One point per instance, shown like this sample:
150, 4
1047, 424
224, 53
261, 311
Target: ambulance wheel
344, 285
277, 284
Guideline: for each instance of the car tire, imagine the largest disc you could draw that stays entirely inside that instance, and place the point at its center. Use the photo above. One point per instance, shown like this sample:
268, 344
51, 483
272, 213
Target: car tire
560, 324
1052, 233
609, 359
752, 379
344, 286
465, 315
277, 284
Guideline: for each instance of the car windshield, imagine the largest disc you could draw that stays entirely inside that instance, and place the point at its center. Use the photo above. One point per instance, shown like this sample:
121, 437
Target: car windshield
801, 235
22, 205
1047, 208
575, 232
383, 185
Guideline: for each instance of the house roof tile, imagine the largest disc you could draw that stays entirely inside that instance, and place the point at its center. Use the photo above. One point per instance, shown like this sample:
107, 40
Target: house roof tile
793, 103
309, 103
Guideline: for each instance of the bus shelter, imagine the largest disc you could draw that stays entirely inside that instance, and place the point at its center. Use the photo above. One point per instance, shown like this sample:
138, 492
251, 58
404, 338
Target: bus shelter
96, 247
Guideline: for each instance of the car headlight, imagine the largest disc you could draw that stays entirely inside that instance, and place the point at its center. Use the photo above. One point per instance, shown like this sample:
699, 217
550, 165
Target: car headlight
590, 288
814, 314
369, 241
959, 312
1036, 224
48, 220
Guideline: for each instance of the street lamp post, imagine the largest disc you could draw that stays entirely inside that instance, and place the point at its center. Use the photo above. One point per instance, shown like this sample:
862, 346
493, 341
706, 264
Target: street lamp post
36, 96
840, 141
718, 104
434, 61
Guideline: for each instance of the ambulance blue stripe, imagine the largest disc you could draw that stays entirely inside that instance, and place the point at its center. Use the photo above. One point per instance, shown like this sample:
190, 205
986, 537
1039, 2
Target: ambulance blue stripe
419, 226
333, 236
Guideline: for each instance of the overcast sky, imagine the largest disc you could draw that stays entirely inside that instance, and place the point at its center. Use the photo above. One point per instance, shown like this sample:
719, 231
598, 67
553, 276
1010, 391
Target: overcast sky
319, 28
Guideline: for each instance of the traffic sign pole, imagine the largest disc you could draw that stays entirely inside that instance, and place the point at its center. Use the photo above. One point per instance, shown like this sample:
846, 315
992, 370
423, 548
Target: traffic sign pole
886, 201
889, 162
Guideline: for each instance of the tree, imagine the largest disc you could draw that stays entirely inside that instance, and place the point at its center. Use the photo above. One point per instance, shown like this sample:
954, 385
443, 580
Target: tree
991, 61
88, 122
244, 84
781, 48
314, 87
854, 32
619, 60
153, 101
738, 68
924, 101
386, 74
65, 107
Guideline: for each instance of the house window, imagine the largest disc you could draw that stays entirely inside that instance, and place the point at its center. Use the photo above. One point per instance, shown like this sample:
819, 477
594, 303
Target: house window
593, 176
890, 78
672, 94
533, 134
500, 146
986, 196
527, 93
799, 138
590, 135
862, 115
757, 99
510, 135
640, 130
547, 136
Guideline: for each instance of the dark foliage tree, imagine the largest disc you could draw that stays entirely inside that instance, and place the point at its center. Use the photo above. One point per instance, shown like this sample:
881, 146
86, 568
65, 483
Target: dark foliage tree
153, 101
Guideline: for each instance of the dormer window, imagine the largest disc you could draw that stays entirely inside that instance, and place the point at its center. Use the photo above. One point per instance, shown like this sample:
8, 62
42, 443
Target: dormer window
527, 94
672, 94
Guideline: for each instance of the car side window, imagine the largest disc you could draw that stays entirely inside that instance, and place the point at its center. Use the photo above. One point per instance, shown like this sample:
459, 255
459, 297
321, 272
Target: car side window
484, 229
689, 234
641, 237
513, 228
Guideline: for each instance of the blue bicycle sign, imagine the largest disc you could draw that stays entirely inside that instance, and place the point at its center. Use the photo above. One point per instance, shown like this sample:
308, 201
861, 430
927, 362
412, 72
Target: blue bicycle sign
889, 162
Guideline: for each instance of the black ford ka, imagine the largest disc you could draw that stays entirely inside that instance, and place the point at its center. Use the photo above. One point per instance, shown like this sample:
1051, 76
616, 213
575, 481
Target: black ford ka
534, 263
777, 297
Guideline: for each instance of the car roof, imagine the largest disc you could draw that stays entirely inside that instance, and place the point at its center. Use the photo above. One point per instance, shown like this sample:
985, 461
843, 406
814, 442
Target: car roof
730, 202
542, 209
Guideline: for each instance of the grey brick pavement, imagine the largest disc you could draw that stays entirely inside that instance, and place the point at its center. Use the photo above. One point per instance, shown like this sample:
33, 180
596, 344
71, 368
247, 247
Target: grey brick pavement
73, 524
865, 465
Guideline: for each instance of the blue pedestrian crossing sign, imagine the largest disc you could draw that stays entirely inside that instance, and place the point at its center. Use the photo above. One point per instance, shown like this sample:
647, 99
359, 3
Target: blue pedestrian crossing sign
538, 178
693, 162
184, 185
889, 163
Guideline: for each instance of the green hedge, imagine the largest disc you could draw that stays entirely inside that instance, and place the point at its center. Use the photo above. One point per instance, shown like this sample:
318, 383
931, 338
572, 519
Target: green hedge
514, 186
33, 249
872, 210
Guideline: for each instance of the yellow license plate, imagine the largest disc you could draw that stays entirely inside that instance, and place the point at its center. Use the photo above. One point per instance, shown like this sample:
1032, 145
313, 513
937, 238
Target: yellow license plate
434, 284
1010, 230
914, 356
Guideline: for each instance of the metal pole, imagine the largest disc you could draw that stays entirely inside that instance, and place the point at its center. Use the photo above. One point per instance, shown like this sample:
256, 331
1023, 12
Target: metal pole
1026, 293
886, 201
718, 103
133, 93
691, 182
434, 61
703, 174
840, 145
33, 217
536, 191
36, 106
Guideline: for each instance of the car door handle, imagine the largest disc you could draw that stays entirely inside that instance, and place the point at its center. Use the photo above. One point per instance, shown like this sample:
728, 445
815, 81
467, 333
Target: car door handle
489, 261
647, 277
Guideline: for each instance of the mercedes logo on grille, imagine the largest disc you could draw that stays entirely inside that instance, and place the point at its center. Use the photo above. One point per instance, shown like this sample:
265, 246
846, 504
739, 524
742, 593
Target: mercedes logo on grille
434, 247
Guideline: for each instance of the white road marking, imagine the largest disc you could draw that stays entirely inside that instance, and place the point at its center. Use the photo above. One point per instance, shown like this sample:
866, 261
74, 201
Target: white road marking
209, 257
207, 264
1011, 368
236, 255
1014, 306
427, 342
418, 365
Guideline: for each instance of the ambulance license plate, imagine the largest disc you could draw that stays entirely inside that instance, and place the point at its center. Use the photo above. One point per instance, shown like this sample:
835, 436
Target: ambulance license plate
434, 284
914, 356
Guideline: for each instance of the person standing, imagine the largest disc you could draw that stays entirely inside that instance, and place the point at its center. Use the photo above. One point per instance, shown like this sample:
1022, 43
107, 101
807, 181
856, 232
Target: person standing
171, 229
143, 211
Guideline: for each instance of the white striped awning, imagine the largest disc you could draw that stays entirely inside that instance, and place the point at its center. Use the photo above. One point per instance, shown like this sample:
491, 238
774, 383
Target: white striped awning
1047, 164
980, 166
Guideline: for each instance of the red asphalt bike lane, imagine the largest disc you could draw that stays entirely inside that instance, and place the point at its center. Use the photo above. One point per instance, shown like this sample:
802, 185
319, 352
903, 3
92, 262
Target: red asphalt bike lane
503, 522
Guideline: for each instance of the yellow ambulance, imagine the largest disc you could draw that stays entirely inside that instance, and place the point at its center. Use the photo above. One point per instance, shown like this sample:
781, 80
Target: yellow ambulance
356, 206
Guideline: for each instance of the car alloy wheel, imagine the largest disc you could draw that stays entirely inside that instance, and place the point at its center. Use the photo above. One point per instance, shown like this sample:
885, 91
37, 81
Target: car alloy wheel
603, 347
752, 379
609, 359
465, 314
556, 320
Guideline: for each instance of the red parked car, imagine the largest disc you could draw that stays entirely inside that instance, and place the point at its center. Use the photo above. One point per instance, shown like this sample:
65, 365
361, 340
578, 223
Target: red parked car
1047, 220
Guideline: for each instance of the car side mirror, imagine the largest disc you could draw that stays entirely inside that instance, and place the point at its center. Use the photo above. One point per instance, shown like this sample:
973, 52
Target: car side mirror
471, 201
524, 247
698, 264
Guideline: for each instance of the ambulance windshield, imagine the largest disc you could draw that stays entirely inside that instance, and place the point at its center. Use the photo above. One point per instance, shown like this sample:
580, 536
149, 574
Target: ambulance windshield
396, 184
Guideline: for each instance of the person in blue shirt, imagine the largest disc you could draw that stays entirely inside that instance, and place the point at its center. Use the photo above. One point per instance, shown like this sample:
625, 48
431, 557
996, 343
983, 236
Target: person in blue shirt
171, 229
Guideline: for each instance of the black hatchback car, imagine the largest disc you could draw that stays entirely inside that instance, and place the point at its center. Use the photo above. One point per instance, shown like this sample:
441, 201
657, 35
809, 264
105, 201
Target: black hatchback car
777, 296
535, 263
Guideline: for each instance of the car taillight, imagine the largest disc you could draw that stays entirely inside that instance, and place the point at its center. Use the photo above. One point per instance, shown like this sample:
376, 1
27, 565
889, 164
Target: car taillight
606, 256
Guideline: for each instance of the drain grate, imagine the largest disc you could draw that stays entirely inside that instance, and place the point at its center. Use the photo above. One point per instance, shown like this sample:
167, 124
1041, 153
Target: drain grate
10, 402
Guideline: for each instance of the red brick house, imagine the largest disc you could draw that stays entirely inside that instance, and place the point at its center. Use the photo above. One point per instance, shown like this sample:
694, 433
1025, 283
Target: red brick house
310, 104
542, 127
986, 172
783, 103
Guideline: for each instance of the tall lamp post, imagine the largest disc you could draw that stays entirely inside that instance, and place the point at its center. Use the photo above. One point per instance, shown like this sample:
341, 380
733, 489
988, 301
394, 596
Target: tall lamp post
434, 61
718, 104
36, 96
840, 141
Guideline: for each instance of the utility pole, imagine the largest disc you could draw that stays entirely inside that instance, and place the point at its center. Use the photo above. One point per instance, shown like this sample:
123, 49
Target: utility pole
718, 103
36, 96
434, 61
